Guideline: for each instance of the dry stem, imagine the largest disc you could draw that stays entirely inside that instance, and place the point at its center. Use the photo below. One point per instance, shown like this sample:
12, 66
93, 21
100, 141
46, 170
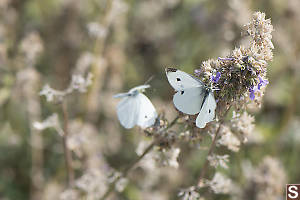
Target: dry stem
132, 165
211, 149
67, 152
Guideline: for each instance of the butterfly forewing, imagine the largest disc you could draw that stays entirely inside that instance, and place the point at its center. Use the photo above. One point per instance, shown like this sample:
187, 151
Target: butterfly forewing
121, 95
180, 80
190, 91
127, 111
139, 88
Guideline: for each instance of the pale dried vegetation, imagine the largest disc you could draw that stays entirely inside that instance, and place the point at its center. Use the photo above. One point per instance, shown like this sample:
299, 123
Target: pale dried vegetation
62, 61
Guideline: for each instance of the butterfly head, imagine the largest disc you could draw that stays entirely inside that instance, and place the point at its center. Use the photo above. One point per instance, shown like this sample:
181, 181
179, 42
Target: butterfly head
170, 69
139, 89
211, 88
134, 93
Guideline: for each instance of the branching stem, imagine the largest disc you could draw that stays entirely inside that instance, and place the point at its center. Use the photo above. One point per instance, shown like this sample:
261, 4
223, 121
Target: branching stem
211, 148
132, 165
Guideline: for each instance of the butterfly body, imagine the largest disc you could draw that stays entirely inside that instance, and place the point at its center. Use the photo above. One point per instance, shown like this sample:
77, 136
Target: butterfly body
192, 96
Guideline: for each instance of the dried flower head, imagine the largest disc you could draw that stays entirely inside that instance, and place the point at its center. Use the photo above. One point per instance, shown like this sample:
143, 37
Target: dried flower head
97, 30
78, 83
217, 160
242, 125
69, 194
220, 184
228, 139
159, 157
189, 194
168, 157
267, 179
32, 46
50, 122
121, 184
93, 183
241, 76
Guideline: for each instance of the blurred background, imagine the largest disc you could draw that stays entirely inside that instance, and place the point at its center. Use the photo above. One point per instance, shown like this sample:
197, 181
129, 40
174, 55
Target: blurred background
122, 43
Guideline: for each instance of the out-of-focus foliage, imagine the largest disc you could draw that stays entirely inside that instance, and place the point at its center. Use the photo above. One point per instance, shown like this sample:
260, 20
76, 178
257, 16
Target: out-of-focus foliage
122, 44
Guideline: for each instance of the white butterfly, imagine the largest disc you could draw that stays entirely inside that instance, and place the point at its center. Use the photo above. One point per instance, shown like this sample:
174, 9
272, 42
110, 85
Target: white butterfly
135, 108
192, 96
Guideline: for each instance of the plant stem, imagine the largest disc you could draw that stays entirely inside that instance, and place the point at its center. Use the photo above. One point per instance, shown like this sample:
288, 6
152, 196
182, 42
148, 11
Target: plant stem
67, 152
211, 148
132, 165
172, 123
127, 170
210, 151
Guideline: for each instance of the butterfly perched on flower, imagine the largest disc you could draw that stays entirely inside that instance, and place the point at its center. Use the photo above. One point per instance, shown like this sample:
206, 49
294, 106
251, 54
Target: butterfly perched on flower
192, 96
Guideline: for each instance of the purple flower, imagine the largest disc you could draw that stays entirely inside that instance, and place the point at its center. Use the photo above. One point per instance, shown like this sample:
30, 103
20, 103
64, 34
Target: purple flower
216, 78
198, 72
252, 91
249, 68
262, 83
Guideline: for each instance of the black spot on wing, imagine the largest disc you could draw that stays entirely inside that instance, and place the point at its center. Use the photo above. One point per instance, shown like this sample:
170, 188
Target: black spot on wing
178, 79
182, 92
209, 111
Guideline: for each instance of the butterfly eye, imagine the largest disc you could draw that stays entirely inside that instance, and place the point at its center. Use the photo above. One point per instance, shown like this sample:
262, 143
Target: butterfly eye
178, 79
182, 92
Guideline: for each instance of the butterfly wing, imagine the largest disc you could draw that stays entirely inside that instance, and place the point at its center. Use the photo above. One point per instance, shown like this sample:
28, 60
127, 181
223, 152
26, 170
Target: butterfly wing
138, 88
146, 113
190, 91
127, 111
131, 91
121, 95
207, 113
189, 101
180, 80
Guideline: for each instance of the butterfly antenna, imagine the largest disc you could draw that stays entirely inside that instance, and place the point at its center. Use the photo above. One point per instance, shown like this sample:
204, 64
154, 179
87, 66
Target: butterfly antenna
149, 80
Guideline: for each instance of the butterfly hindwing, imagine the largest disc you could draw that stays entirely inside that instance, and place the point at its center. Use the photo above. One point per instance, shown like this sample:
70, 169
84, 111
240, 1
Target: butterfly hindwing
207, 112
147, 113
189, 101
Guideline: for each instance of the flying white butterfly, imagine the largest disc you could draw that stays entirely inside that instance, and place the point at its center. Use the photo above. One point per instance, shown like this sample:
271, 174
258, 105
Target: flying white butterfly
192, 96
135, 108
